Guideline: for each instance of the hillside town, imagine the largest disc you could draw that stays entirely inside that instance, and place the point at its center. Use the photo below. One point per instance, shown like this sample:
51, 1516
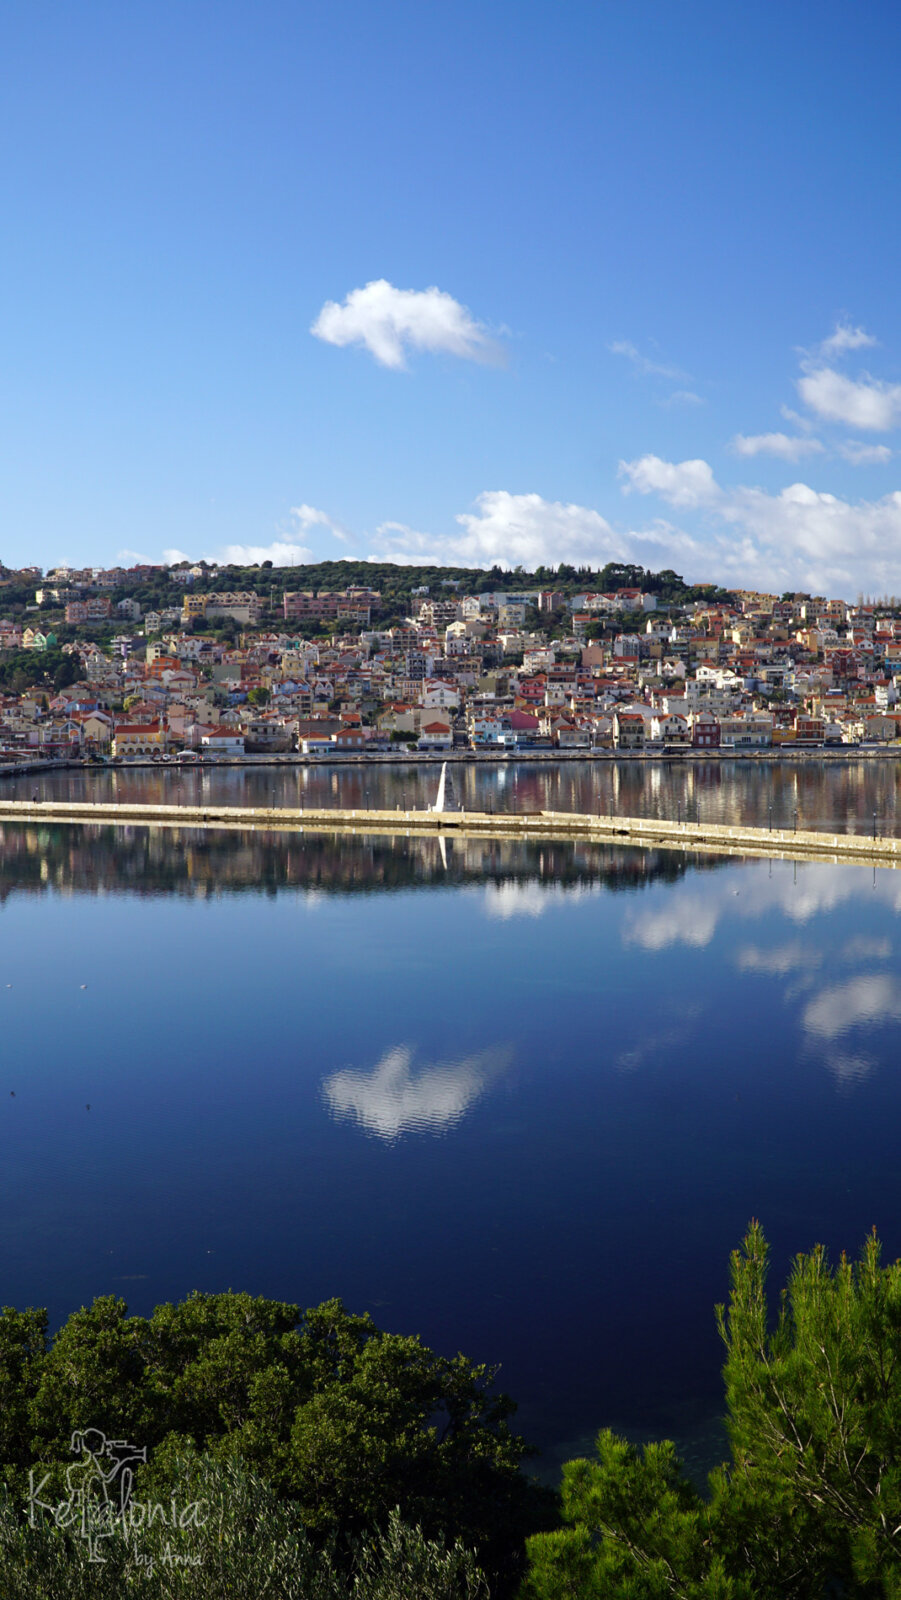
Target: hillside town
229, 671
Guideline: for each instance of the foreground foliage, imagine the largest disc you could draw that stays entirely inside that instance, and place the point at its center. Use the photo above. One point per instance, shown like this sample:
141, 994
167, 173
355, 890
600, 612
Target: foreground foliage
810, 1504
248, 1545
345, 1422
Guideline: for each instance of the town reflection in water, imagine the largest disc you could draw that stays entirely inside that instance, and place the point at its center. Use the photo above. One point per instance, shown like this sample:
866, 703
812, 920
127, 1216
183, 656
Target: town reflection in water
837, 794
197, 862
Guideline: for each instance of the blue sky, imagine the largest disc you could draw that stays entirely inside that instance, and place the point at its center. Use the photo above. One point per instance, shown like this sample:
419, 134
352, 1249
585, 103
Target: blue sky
464, 282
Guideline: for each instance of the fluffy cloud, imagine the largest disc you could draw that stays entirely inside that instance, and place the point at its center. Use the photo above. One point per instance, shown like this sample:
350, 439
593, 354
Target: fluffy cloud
524, 527
799, 536
282, 553
682, 483
311, 517
859, 403
388, 322
865, 455
846, 338
782, 445
510, 529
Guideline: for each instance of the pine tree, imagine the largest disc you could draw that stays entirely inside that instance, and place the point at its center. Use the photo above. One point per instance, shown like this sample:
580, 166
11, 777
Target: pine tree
810, 1503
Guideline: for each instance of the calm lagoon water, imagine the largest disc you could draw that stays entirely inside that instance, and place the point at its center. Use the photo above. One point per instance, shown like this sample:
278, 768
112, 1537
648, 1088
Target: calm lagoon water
519, 1099
834, 794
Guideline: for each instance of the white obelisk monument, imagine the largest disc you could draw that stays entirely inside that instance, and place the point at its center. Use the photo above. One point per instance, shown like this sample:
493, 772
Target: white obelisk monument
445, 800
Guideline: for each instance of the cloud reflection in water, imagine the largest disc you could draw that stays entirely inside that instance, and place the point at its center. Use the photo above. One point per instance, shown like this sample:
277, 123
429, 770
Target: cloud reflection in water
838, 1020
868, 1001
779, 961
393, 1099
533, 898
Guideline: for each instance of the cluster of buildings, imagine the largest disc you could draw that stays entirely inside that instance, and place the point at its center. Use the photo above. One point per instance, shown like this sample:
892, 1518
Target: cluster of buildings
325, 673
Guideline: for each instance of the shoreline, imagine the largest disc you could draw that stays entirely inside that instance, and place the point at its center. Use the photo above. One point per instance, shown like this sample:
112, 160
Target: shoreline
766, 757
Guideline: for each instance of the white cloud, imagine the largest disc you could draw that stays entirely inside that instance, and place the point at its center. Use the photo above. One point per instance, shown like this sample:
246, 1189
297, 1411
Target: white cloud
286, 550
796, 538
393, 1100
388, 322
510, 529
846, 338
396, 541
864, 403
311, 517
865, 455
642, 364
795, 417
282, 553
824, 540
133, 557
683, 483
775, 444
524, 527
799, 537
684, 397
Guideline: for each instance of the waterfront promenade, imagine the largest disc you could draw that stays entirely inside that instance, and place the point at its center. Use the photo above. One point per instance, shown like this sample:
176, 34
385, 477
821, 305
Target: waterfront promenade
648, 832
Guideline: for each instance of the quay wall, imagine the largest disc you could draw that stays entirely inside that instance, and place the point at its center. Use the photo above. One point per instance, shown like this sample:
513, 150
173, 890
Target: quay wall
797, 844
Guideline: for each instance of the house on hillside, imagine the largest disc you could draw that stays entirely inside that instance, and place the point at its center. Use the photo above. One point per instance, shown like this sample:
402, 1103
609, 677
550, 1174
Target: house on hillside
628, 730
131, 739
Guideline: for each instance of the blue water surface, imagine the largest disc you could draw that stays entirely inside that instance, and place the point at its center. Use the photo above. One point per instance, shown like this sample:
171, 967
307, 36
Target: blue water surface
522, 1105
